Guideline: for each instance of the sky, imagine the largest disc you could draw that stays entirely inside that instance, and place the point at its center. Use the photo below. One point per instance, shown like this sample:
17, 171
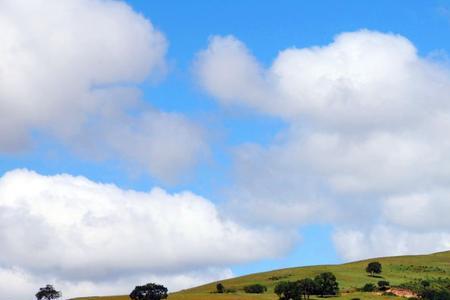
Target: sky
182, 142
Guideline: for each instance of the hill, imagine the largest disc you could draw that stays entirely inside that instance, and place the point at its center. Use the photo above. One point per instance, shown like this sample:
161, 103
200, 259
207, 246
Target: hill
396, 270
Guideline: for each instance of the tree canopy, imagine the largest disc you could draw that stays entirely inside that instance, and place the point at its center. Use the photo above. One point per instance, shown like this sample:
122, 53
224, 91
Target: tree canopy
150, 291
48, 293
374, 268
326, 284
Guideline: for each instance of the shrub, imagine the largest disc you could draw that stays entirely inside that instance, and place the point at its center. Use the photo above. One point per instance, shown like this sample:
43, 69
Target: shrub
255, 289
369, 287
435, 294
383, 285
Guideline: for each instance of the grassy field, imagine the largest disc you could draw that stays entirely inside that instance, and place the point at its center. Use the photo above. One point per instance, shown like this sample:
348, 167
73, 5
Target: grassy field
396, 270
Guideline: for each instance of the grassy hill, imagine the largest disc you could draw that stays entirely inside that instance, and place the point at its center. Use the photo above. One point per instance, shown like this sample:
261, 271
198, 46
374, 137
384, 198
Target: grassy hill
396, 270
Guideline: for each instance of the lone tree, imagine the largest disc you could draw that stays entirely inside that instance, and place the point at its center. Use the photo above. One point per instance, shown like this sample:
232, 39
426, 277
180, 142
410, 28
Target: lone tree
373, 268
220, 288
48, 293
326, 284
150, 291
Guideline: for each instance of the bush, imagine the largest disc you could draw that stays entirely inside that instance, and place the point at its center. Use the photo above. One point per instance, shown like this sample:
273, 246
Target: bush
383, 285
435, 294
369, 287
255, 289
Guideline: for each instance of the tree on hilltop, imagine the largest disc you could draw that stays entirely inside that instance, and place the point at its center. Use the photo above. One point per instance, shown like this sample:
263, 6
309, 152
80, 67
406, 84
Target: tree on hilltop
48, 293
150, 291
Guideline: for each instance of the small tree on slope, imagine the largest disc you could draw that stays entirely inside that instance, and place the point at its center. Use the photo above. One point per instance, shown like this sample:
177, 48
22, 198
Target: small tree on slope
373, 268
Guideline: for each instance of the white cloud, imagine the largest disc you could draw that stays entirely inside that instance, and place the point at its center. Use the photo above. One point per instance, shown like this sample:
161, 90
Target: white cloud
81, 233
64, 63
382, 240
361, 79
368, 122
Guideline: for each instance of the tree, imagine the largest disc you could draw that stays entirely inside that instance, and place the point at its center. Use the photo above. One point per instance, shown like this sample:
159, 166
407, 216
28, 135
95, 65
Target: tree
220, 288
150, 291
307, 287
48, 293
373, 268
326, 284
383, 285
288, 290
255, 288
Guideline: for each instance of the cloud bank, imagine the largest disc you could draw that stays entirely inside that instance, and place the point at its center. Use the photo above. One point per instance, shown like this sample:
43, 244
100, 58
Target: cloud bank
70, 70
94, 238
366, 147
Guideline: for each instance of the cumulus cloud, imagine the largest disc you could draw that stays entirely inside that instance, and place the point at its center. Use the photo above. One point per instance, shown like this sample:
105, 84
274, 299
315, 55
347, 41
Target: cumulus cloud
80, 233
362, 78
382, 240
367, 138
64, 63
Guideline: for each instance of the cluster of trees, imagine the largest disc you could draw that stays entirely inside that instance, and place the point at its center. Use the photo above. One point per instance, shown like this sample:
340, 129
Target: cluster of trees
324, 284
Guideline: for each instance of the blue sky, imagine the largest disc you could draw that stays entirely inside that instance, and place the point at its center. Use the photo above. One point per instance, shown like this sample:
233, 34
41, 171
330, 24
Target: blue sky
245, 154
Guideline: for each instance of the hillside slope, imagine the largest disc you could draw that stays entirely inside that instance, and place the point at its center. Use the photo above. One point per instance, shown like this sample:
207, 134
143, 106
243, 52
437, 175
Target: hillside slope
396, 270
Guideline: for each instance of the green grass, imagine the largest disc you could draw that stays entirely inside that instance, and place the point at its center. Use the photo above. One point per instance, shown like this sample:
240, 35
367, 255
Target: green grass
396, 270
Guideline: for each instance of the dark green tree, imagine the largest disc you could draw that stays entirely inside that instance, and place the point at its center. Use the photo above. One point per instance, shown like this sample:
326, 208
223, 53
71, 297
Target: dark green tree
374, 268
307, 287
150, 291
220, 288
288, 290
48, 293
326, 284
